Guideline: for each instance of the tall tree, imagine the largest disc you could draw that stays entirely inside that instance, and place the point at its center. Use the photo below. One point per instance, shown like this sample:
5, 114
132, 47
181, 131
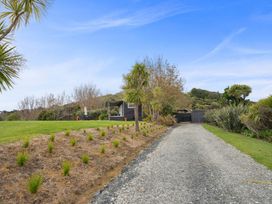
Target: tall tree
237, 93
135, 82
14, 13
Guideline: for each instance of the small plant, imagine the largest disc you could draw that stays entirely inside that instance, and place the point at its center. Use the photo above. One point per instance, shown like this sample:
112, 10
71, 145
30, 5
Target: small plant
115, 143
84, 132
34, 183
123, 127
73, 141
120, 130
102, 133
26, 143
21, 158
127, 127
85, 158
102, 149
98, 129
108, 127
66, 168
67, 133
90, 136
52, 137
50, 147
113, 132
125, 139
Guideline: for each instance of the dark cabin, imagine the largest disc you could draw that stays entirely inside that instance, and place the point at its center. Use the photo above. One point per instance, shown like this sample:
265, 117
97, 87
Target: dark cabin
125, 111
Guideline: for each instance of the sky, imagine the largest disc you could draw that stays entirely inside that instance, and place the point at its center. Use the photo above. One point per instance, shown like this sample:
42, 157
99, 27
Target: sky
214, 44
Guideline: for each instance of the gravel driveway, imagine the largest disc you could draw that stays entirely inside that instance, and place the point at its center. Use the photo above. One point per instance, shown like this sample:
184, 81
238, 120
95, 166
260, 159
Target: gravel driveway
190, 165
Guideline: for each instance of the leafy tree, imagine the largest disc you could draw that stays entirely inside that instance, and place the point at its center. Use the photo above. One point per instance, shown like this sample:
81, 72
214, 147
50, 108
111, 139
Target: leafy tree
14, 13
135, 82
237, 93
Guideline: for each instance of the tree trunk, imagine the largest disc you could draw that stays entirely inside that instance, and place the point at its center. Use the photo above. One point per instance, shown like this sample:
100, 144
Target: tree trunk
136, 115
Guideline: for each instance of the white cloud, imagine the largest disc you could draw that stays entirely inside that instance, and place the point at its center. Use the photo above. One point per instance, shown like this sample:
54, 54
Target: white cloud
222, 45
133, 18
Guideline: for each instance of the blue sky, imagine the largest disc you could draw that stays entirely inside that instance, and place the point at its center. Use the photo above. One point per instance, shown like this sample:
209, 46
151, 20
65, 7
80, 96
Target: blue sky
214, 43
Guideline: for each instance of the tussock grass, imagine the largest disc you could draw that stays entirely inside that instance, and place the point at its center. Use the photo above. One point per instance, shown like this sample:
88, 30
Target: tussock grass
25, 143
52, 137
85, 158
50, 147
102, 149
90, 137
34, 182
66, 166
73, 141
21, 158
115, 143
67, 133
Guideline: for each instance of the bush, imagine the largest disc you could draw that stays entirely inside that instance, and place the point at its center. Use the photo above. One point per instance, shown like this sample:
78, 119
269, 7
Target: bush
85, 158
21, 158
73, 141
115, 143
50, 147
227, 117
103, 116
90, 136
166, 120
34, 183
102, 149
67, 133
66, 168
52, 137
25, 143
259, 119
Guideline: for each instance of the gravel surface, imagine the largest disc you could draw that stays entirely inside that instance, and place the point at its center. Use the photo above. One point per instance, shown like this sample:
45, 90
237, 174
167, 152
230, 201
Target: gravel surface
190, 165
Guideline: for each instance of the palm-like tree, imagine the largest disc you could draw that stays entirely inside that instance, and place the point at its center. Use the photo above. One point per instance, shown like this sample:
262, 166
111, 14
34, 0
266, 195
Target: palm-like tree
14, 14
135, 82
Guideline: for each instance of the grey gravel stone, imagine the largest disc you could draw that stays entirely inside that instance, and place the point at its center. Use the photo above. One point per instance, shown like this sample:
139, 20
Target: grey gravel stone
190, 165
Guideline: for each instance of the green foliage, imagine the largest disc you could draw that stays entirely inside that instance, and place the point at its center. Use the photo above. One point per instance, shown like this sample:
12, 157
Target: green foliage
34, 182
66, 166
67, 133
103, 116
259, 119
85, 158
237, 94
21, 158
50, 147
145, 133
73, 141
90, 136
13, 116
52, 137
102, 149
166, 120
115, 143
26, 143
227, 118
102, 133
125, 139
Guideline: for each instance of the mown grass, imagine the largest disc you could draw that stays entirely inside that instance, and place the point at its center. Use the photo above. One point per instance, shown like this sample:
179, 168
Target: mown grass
259, 150
16, 130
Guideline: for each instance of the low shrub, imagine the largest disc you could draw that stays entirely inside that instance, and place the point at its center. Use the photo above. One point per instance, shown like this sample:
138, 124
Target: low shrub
25, 143
34, 182
227, 117
85, 158
166, 120
67, 133
66, 166
21, 158
52, 137
90, 136
50, 147
73, 141
115, 143
102, 133
102, 149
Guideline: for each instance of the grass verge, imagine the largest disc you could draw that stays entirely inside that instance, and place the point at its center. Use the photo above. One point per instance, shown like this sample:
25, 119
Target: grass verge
259, 150
16, 130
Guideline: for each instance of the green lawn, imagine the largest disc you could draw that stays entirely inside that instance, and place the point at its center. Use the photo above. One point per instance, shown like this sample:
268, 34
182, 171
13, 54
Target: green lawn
259, 150
16, 130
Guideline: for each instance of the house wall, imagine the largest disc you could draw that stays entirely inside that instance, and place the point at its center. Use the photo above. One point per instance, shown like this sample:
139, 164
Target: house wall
129, 112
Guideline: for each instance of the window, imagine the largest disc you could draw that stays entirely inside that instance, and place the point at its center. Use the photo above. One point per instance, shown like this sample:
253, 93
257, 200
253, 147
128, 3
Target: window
131, 105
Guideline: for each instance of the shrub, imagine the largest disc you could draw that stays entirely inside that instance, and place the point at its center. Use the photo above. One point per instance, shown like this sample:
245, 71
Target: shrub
21, 158
34, 183
227, 117
73, 141
115, 143
102, 149
102, 133
66, 168
25, 143
90, 136
166, 120
85, 158
67, 133
50, 147
52, 137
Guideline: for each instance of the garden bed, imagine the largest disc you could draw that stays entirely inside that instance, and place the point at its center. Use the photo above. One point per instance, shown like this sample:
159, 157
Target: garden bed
83, 179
